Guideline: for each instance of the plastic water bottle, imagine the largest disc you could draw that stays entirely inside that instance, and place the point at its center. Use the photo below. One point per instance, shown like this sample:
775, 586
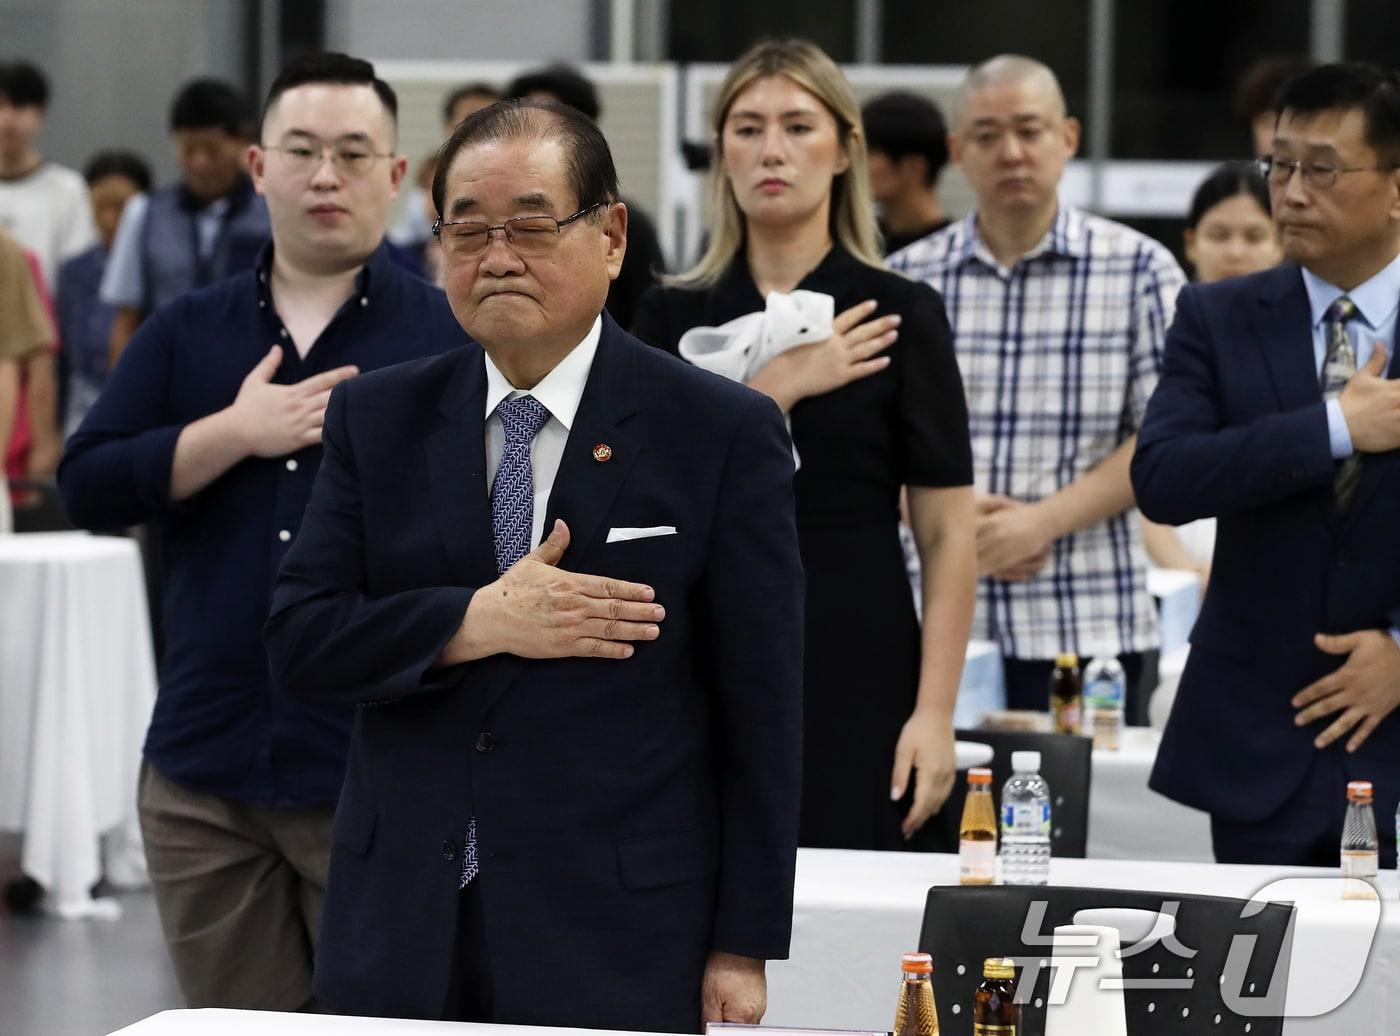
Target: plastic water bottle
1105, 687
1025, 823
1360, 846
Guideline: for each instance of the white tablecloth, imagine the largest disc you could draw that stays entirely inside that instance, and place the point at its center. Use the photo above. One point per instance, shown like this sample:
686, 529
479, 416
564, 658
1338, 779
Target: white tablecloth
267, 1023
856, 912
1127, 821
77, 683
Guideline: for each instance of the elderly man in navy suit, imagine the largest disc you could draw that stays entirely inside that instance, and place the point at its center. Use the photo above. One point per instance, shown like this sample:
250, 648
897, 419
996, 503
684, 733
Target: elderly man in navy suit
558, 575
1279, 411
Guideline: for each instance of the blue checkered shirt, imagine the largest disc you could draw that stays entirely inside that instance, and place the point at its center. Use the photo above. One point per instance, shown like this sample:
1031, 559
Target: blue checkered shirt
1059, 355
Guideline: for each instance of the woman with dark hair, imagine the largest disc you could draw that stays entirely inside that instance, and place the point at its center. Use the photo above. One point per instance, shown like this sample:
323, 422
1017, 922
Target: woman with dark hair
1229, 229
1229, 233
876, 405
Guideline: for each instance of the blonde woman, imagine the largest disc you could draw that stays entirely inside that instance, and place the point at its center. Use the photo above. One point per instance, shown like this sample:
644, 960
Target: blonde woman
875, 408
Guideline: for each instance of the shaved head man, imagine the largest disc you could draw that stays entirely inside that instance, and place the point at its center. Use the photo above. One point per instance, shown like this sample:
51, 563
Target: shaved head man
1058, 319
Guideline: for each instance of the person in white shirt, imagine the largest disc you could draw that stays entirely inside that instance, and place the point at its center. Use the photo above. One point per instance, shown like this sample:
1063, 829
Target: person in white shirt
43, 205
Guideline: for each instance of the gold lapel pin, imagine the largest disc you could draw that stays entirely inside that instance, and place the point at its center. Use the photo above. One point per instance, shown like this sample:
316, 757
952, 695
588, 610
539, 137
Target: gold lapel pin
602, 453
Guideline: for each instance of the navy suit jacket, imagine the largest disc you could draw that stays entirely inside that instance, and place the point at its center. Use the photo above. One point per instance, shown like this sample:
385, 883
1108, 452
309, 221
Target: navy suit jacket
1237, 429
632, 815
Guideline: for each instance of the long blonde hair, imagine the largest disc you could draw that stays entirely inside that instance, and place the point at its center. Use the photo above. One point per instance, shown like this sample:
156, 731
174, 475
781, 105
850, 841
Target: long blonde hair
852, 210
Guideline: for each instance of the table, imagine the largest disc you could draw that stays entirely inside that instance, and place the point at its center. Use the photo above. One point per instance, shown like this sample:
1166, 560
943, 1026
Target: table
77, 684
856, 912
212, 1022
1127, 820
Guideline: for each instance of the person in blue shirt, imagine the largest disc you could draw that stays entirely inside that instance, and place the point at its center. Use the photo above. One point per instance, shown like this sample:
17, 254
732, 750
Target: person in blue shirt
84, 319
189, 234
210, 427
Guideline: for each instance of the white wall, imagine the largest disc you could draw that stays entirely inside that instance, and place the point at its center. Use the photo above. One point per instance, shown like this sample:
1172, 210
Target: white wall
456, 30
114, 65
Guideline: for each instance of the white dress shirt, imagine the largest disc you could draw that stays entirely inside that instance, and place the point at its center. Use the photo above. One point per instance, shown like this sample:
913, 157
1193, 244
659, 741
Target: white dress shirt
559, 392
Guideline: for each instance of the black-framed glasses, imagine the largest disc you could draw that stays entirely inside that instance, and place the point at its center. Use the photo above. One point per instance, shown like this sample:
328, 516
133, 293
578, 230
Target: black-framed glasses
305, 159
526, 235
1320, 176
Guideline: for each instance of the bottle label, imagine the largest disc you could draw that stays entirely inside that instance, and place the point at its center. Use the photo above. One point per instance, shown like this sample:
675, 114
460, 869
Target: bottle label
982, 1029
1360, 864
1104, 694
1067, 717
1024, 818
977, 862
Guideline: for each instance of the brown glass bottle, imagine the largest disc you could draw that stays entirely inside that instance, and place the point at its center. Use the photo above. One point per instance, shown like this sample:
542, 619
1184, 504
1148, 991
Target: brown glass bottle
977, 833
1067, 694
994, 1008
916, 1015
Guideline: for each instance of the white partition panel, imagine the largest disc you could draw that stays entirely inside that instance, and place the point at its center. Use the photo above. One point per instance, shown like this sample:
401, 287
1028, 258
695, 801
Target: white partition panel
639, 118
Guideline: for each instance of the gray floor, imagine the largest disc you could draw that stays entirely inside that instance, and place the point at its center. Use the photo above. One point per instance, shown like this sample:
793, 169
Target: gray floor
82, 978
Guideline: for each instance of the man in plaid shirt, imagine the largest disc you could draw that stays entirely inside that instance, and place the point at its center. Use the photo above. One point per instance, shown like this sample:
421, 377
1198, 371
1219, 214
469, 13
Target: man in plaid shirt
1058, 320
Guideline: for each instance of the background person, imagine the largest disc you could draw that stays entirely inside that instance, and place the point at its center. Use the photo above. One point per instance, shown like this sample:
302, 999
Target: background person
114, 178
907, 148
875, 408
1058, 320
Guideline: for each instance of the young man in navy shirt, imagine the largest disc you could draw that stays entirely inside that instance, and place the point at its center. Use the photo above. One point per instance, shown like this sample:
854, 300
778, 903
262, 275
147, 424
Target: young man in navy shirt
211, 427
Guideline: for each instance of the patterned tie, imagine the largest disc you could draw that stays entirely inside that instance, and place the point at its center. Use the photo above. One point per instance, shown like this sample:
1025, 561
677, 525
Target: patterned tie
1337, 368
512, 523
513, 489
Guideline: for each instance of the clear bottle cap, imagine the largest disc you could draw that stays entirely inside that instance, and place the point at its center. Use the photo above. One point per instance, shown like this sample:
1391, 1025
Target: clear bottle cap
1025, 762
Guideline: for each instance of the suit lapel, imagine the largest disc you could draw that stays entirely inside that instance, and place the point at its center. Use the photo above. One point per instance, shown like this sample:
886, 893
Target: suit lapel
456, 456
585, 486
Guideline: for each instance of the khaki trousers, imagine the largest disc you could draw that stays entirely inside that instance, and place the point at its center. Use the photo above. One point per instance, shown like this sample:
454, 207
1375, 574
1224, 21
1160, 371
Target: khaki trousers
239, 890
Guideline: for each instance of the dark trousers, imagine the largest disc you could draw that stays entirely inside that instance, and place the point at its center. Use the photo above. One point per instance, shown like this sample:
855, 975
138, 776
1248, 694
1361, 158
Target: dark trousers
1028, 685
1306, 831
469, 988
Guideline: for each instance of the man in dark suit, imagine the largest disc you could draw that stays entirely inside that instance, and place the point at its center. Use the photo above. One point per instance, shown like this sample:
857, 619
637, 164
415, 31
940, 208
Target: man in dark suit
1279, 411
572, 796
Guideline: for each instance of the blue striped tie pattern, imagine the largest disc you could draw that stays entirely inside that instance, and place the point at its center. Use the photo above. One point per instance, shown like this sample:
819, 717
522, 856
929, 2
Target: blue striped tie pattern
512, 524
513, 489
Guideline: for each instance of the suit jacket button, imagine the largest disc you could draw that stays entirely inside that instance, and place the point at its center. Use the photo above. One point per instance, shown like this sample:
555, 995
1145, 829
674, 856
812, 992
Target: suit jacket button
449, 851
485, 741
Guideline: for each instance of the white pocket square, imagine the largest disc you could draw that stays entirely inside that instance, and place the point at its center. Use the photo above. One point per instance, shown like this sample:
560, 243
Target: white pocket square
618, 535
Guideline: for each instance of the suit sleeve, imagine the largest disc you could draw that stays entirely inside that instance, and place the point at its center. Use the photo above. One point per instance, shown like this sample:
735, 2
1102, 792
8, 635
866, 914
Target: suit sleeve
753, 605
328, 639
116, 468
1191, 463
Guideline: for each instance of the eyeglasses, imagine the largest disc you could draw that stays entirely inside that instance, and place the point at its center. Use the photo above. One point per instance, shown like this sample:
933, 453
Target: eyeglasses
526, 235
305, 159
1318, 175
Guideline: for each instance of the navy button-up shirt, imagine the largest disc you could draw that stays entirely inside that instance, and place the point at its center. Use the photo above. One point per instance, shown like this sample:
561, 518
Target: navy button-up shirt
220, 726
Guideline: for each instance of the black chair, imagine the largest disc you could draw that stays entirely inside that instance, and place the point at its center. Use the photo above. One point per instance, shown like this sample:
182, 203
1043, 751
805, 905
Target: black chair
1066, 763
1247, 943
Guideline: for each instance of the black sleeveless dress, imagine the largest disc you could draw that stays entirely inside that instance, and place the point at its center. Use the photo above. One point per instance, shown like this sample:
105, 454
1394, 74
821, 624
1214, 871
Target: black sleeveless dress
906, 425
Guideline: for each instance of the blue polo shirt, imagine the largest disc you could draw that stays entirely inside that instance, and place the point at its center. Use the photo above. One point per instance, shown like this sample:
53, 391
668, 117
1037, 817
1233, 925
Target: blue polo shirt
220, 725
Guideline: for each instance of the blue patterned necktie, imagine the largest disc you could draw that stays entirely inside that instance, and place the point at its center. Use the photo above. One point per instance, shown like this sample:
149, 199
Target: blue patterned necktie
1338, 366
513, 489
512, 525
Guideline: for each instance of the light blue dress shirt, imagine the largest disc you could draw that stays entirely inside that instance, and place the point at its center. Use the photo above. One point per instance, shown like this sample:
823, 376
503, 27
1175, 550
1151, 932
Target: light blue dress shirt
1377, 303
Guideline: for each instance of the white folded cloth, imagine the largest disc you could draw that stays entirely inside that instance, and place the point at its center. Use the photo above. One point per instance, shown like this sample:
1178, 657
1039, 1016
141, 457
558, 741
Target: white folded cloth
740, 348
